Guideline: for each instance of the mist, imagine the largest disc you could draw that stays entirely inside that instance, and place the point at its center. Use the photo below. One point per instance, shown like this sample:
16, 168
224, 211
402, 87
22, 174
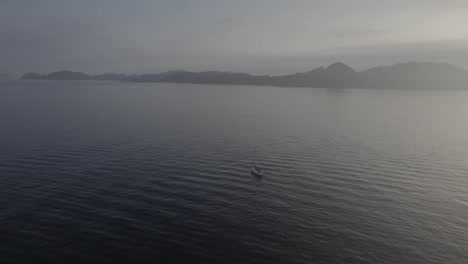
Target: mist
258, 37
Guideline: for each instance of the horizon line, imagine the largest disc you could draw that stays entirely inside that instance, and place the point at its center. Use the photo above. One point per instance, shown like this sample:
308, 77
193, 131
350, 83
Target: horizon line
226, 71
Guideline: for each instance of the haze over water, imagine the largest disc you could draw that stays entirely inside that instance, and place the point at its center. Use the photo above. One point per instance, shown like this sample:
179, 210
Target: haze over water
129, 172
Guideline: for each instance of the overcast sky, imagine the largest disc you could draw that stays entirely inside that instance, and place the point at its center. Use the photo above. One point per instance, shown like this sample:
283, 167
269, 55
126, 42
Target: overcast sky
255, 36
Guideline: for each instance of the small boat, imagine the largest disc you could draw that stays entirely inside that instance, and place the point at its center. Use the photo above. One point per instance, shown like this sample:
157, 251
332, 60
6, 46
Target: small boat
255, 170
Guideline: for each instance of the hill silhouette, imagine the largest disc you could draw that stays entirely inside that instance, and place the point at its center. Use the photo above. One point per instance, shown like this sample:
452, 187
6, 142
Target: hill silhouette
75, 76
411, 75
153, 77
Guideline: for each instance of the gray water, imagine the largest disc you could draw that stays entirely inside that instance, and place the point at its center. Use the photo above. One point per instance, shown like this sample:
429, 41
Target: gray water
160, 173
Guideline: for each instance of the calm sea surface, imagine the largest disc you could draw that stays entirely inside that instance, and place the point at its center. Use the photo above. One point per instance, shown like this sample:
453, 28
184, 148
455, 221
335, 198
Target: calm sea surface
119, 172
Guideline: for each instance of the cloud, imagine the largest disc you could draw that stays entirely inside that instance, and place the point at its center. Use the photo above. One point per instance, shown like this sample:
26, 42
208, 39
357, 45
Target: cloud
258, 36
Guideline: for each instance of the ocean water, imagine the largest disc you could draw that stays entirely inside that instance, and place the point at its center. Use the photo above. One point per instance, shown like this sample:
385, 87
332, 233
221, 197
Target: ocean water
105, 172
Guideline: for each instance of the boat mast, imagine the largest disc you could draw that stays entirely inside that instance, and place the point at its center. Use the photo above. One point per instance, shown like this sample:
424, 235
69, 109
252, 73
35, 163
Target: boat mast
253, 157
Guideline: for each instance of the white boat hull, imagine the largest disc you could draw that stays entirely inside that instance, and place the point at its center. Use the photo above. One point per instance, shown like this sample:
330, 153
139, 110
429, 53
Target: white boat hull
257, 172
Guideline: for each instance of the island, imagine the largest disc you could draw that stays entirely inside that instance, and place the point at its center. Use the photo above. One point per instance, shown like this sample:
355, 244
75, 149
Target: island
411, 75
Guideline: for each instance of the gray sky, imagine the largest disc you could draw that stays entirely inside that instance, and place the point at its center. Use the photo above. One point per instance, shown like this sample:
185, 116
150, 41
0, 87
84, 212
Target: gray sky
255, 36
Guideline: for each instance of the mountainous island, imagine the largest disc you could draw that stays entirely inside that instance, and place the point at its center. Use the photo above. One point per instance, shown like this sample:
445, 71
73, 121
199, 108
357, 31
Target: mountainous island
411, 75
76, 76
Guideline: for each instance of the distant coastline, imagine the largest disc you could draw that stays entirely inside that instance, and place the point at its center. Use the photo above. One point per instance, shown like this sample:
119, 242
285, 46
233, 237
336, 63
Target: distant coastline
75, 76
411, 75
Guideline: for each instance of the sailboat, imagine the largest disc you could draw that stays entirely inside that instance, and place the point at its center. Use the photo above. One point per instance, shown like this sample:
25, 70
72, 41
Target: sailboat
255, 170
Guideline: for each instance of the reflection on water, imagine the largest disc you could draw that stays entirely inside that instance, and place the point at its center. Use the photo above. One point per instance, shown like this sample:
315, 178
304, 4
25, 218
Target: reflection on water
122, 172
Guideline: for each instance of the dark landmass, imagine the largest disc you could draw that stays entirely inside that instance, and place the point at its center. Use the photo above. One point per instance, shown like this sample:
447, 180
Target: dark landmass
153, 77
411, 75
76, 76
